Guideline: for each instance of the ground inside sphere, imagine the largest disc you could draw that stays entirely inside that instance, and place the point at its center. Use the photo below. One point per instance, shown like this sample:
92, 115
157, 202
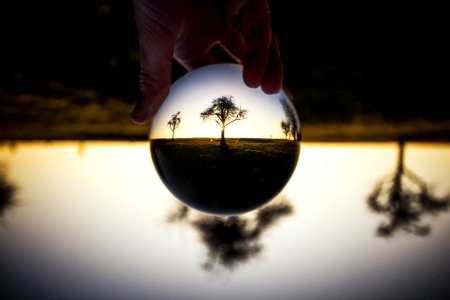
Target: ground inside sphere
231, 179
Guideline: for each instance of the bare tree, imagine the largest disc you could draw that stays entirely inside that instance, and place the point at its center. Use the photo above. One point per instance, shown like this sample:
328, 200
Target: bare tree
7, 192
286, 127
233, 240
174, 122
224, 112
291, 119
405, 198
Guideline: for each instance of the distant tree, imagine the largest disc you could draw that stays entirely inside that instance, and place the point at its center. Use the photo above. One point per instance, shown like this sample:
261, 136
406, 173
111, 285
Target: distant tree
291, 119
286, 127
174, 122
224, 112
405, 198
233, 240
7, 192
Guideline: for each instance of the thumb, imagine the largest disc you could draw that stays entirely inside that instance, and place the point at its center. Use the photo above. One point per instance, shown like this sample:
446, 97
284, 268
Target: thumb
156, 43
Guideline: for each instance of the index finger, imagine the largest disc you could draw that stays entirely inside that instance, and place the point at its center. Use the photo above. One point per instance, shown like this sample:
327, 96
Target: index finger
257, 34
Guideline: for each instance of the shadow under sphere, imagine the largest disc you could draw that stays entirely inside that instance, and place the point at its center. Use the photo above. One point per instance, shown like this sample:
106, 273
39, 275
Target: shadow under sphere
221, 147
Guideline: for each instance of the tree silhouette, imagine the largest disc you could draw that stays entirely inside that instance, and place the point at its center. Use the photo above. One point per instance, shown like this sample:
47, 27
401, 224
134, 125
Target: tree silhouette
224, 112
174, 122
404, 198
290, 122
234, 240
7, 192
286, 127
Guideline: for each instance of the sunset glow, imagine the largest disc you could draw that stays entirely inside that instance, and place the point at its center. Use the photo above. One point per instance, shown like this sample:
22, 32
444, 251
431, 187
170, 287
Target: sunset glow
194, 92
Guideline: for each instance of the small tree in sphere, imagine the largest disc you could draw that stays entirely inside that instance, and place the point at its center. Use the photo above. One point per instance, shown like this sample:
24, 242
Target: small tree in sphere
290, 120
286, 127
224, 112
174, 122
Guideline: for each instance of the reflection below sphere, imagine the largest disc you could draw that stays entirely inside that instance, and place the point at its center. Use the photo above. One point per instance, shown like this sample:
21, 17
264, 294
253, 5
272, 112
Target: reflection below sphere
221, 147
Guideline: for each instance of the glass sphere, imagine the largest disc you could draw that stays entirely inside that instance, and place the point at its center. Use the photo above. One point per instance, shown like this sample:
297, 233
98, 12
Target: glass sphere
221, 147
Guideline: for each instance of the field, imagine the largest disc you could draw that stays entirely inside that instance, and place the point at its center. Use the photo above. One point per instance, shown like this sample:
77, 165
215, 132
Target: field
225, 180
82, 114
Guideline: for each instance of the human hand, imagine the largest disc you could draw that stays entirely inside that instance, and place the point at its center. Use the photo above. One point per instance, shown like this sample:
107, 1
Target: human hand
187, 29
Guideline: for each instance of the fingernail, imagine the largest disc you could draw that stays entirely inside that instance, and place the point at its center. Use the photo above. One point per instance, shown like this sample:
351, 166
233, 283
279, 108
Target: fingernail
147, 107
139, 115
271, 88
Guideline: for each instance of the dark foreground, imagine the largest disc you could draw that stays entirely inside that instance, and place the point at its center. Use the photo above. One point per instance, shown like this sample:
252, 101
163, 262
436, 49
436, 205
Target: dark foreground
225, 180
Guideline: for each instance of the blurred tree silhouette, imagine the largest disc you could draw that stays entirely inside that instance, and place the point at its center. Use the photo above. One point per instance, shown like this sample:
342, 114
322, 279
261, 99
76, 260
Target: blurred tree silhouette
7, 192
233, 240
404, 198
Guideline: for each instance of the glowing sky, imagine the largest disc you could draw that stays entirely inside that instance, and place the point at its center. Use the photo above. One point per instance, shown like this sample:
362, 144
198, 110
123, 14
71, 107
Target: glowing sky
93, 216
194, 92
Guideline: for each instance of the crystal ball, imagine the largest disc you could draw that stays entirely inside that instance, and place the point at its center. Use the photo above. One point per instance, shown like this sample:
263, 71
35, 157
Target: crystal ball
221, 147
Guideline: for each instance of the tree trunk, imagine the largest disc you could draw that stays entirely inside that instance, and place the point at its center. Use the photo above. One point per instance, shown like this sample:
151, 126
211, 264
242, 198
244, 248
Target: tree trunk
222, 137
401, 150
173, 134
